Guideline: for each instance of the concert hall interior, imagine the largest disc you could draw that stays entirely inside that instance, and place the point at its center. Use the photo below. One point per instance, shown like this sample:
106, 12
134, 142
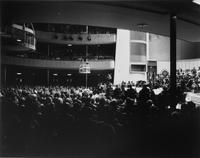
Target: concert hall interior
100, 78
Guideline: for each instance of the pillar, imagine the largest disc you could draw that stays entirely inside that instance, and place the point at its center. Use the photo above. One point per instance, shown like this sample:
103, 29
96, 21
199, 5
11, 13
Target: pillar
124, 60
173, 59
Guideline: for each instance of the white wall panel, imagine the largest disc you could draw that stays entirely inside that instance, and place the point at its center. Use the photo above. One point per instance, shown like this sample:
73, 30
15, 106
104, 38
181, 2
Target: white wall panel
122, 60
163, 65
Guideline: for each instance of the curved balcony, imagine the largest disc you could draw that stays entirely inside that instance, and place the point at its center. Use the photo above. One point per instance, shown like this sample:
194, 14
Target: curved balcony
19, 38
106, 64
24, 34
77, 39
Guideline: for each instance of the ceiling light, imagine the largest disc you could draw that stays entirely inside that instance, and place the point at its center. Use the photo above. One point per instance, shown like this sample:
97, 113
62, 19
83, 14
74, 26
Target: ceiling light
18, 40
19, 73
55, 74
69, 45
142, 25
196, 1
89, 38
69, 74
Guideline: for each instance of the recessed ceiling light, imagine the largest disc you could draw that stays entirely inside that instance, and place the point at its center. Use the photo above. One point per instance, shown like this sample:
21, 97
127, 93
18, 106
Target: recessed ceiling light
69, 74
196, 1
69, 45
19, 73
55, 74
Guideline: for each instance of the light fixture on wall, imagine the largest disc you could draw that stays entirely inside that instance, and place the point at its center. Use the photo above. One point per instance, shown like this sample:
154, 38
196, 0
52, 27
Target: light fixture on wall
80, 38
18, 40
89, 38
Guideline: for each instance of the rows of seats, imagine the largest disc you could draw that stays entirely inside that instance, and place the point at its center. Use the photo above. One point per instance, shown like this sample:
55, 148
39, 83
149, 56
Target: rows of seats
106, 120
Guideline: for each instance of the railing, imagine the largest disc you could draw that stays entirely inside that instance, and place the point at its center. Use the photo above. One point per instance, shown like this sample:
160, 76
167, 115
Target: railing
24, 35
57, 64
72, 58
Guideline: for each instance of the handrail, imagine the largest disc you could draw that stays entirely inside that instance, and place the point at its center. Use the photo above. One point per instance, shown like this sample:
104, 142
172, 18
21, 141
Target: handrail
21, 28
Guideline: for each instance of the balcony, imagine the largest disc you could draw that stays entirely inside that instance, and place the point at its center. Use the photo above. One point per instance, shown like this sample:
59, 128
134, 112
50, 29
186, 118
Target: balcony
77, 39
106, 64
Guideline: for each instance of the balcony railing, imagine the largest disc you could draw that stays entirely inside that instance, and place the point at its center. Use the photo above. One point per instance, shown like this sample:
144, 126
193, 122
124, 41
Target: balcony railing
57, 64
24, 34
79, 39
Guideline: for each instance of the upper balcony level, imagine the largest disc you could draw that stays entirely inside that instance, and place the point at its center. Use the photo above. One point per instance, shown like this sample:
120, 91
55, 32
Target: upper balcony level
25, 37
75, 39
67, 52
73, 29
18, 37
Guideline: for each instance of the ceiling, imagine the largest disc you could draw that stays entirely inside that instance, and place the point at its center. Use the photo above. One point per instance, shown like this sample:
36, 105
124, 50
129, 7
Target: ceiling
115, 14
185, 10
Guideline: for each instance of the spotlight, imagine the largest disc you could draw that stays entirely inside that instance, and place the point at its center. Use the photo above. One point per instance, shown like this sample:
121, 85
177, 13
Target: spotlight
18, 40
89, 38
80, 38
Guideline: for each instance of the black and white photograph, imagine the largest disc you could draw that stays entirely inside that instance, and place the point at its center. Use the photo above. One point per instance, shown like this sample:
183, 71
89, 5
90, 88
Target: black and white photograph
100, 79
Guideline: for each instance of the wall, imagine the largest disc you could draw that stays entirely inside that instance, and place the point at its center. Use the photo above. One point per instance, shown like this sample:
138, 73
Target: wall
188, 53
122, 60
159, 49
186, 50
183, 64
163, 65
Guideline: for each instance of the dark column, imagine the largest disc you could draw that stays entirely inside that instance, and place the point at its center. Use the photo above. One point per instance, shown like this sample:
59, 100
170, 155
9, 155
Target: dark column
173, 59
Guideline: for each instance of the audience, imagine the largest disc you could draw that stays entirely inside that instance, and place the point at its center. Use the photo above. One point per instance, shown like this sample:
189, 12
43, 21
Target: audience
104, 120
